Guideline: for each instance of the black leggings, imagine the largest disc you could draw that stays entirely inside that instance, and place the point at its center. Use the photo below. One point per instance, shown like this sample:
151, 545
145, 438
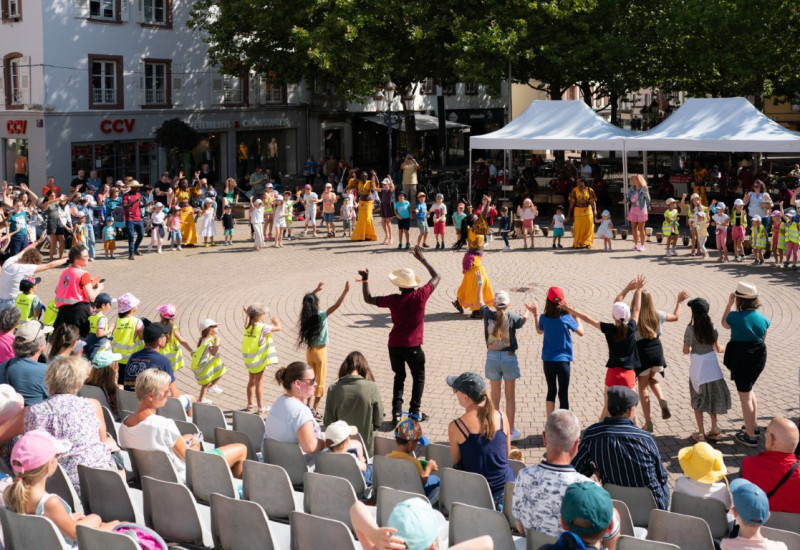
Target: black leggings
556, 373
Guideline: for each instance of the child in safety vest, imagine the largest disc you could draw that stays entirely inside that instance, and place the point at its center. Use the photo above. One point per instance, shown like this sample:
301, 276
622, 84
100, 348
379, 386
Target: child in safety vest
759, 238
27, 301
258, 350
670, 227
792, 230
99, 329
288, 207
206, 362
127, 335
172, 350
50, 313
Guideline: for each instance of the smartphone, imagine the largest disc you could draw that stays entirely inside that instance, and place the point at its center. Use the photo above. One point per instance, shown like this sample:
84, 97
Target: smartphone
102, 281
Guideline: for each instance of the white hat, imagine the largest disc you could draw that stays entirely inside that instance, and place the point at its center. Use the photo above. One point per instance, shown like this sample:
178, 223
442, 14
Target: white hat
621, 312
738, 202
701, 214
258, 201
670, 201
158, 204
746, 290
10, 402
721, 205
501, 299
694, 196
385, 181
328, 185
405, 278
207, 323
755, 219
338, 432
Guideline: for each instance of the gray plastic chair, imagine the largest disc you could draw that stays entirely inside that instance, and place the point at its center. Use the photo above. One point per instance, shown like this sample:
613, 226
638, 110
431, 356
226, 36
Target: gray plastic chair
126, 401
95, 539
208, 417
342, 465
224, 437
640, 501
468, 522
464, 487
382, 446
111, 427
289, 457
94, 392
172, 409
269, 486
784, 521
709, 509
171, 511
516, 466
153, 464
439, 453
535, 539
683, 531
103, 492
508, 504
209, 473
397, 474
328, 497
386, 501
243, 525
252, 425
60, 484
626, 526
625, 542
790, 539
25, 532
309, 531
186, 427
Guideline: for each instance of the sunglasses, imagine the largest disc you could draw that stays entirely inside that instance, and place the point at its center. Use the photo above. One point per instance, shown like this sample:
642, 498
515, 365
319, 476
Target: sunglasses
310, 381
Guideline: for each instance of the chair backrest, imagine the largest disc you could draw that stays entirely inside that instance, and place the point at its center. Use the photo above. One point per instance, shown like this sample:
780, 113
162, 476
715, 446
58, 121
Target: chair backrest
386, 501
468, 522
439, 453
153, 464
397, 474
626, 542
625, 519
94, 392
341, 465
172, 409
382, 446
268, 485
790, 539
186, 427
464, 487
111, 427
24, 532
224, 437
709, 509
328, 497
239, 525
103, 492
126, 401
60, 484
252, 425
95, 539
680, 530
784, 521
309, 531
170, 510
508, 504
208, 417
516, 466
288, 456
535, 539
640, 501
209, 474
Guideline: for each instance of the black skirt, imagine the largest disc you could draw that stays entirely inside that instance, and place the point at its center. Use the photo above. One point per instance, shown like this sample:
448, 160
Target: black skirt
745, 360
651, 354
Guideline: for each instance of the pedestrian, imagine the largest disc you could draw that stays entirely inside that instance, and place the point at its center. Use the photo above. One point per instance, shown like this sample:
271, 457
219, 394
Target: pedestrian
156, 227
310, 200
527, 213
174, 225
421, 215
402, 211
386, 196
257, 223
721, 220
604, 230
208, 229
505, 226
557, 226
329, 199
131, 206
258, 350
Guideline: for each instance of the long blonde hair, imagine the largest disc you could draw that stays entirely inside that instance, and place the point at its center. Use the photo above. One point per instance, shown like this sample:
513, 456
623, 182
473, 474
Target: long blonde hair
499, 323
647, 327
17, 494
486, 416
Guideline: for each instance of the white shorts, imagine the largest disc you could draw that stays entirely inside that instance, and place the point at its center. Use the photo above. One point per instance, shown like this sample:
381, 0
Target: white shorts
311, 215
280, 222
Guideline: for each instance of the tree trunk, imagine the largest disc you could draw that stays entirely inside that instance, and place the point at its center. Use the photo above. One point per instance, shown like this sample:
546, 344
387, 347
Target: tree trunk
613, 100
586, 89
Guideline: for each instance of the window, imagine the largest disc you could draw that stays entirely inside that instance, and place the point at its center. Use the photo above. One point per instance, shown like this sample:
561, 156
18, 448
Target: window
155, 82
228, 90
101, 9
105, 82
470, 88
429, 86
12, 10
154, 12
448, 89
269, 91
16, 78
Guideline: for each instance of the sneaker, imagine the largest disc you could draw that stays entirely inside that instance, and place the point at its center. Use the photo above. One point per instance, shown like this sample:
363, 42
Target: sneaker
180, 248
757, 431
507, 248
206, 401
559, 246
641, 248
516, 435
408, 245
636, 247
554, 245
215, 389
399, 246
745, 439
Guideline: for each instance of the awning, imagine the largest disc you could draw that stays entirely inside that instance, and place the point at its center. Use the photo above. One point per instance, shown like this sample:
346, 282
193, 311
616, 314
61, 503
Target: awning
423, 123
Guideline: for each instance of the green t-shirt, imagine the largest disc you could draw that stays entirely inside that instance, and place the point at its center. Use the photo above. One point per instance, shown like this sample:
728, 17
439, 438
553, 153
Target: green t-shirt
323, 333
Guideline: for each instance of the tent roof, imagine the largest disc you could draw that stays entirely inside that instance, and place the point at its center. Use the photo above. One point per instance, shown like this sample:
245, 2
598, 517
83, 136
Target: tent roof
730, 124
555, 125
423, 123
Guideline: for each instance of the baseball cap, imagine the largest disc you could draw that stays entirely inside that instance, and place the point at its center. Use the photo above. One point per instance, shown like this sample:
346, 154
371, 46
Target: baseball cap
104, 298
410, 430
10, 402
698, 304
338, 432
738, 202
721, 206
555, 294
621, 312
127, 302
416, 522
468, 383
749, 499
35, 449
670, 201
501, 299
590, 503
269, 184
154, 331
167, 311
620, 399
104, 358
29, 331
207, 323
28, 283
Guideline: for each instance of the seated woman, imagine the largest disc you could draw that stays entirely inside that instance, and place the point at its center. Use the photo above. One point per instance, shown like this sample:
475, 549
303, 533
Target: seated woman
103, 374
148, 431
290, 420
76, 419
703, 474
479, 441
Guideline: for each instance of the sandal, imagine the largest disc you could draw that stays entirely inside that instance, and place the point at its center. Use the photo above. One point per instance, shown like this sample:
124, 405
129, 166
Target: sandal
456, 304
698, 437
250, 407
263, 410
648, 426
714, 435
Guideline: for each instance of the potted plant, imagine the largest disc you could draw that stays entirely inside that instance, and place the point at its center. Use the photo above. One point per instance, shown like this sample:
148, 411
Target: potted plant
624, 234
659, 237
686, 240
545, 230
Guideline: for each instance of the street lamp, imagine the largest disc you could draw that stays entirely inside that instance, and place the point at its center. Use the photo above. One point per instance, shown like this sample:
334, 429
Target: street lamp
389, 118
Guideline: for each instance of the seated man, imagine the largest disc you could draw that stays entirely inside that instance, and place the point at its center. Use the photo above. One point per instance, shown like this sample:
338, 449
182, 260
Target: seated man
588, 516
776, 470
24, 372
540, 488
620, 453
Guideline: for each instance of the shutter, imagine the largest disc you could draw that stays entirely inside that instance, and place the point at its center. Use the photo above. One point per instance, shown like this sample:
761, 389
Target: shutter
217, 89
178, 77
124, 9
3, 97
25, 80
142, 95
262, 90
140, 11
81, 9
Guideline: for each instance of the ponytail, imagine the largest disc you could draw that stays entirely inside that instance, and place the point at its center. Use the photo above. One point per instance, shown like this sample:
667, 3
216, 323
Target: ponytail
486, 416
499, 323
622, 331
17, 494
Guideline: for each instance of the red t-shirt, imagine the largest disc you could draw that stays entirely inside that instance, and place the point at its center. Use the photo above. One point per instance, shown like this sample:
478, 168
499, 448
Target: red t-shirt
408, 314
134, 213
766, 470
47, 189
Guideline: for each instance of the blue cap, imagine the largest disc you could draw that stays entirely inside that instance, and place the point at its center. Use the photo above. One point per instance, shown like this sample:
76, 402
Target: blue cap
416, 523
750, 501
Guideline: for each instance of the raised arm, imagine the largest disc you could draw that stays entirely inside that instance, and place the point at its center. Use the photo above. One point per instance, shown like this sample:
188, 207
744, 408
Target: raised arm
338, 302
369, 298
731, 301
434, 281
676, 314
580, 316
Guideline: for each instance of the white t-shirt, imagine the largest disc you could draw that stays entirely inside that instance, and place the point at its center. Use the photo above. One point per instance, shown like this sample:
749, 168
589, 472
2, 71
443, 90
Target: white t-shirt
558, 221
439, 210
257, 215
307, 198
719, 491
155, 433
12, 273
720, 219
286, 417
157, 218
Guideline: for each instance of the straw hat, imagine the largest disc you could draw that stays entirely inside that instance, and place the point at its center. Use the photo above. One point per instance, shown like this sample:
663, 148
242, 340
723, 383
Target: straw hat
745, 162
702, 463
405, 278
746, 290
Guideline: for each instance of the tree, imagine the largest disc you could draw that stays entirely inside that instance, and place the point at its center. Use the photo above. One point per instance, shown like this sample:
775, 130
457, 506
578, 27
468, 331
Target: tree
178, 138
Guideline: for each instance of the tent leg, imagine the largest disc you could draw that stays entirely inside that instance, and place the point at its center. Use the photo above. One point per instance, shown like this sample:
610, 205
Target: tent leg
625, 183
469, 176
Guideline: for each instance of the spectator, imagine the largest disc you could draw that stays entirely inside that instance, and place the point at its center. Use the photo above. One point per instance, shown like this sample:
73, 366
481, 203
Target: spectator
9, 318
588, 516
132, 206
12, 413
751, 509
776, 470
540, 489
620, 453
338, 440
103, 374
703, 473
24, 372
65, 341
407, 435
22, 266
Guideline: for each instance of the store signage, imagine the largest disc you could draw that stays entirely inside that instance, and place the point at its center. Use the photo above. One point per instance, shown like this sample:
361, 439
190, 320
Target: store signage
118, 125
16, 126
235, 124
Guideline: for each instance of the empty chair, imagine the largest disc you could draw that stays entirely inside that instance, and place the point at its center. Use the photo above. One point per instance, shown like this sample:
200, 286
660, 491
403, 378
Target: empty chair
328, 497
155, 464
172, 409
209, 473
171, 511
60, 484
790, 539
94, 392
640, 501
24, 532
397, 474
785, 521
342, 465
269, 485
243, 525
208, 417
288, 456
466, 488
309, 531
126, 401
224, 437
186, 427
508, 503
468, 522
439, 453
625, 542
534, 539
683, 531
387, 499
626, 526
709, 509
252, 425
95, 539
104, 493
382, 446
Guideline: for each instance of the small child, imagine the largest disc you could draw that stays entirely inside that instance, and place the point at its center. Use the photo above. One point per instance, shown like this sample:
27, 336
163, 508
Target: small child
557, 226
439, 214
80, 232
505, 226
227, 225
738, 228
127, 334
347, 213
174, 226
208, 229
259, 352
157, 219
402, 211
782, 241
421, 213
337, 440
206, 361
792, 230
527, 213
751, 510
406, 437
721, 220
458, 216
759, 238
27, 301
172, 349
288, 207
50, 313
103, 374
670, 227
257, 223
695, 205
604, 230
701, 227
777, 222
99, 330
280, 220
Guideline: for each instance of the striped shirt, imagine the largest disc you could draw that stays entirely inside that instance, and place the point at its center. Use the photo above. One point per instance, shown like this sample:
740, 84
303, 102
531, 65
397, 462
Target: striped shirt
623, 455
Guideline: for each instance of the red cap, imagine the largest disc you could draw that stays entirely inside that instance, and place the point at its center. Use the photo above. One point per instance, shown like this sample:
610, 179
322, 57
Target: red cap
555, 294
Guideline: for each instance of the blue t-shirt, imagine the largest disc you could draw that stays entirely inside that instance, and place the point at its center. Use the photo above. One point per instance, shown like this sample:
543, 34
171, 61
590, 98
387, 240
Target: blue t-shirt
18, 220
749, 325
422, 211
142, 360
557, 342
109, 233
402, 208
26, 376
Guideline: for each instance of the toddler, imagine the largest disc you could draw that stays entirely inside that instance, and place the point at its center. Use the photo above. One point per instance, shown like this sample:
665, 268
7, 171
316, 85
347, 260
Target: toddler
208, 229
99, 328
157, 227
174, 226
792, 230
402, 211
527, 213
347, 213
227, 225
439, 214
701, 228
738, 228
172, 349
206, 361
777, 237
670, 227
604, 230
759, 237
458, 217
280, 220
421, 213
257, 223
288, 207
505, 226
557, 226
80, 231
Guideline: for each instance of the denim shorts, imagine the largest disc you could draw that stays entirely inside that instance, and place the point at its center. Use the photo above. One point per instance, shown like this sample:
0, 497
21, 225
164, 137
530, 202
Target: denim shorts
502, 365
327, 217
422, 225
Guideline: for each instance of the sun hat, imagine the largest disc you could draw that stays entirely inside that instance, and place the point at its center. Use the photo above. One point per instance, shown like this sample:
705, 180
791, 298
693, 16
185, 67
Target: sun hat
416, 522
35, 449
694, 196
738, 202
501, 299
104, 358
29, 331
385, 181
750, 501
80, 214
775, 213
167, 311
480, 160
589, 502
745, 162
307, 186
269, 184
175, 208
258, 201
279, 198
10, 403
159, 205
620, 399
698, 304
421, 194
134, 183
702, 463
405, 278
701, 214
755, 219
746, 290
410, 430
621, 312
127, 302
670, 201
338, 432
605, 213
468, 383
207, 323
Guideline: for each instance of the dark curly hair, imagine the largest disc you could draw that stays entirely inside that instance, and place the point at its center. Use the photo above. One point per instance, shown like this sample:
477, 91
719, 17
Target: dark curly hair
310, 321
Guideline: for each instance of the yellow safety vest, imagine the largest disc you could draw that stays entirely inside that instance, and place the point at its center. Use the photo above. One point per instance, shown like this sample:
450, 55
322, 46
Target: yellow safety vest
50, 313
792, 233
94, 320
173, 352
207, 368
759, 237
24, 303
670, 225
126, 342
257, 358
739, 218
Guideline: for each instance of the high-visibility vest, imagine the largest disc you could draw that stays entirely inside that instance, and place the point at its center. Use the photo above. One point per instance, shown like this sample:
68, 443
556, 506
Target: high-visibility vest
792, 233
69, 290
126, 342
24, 303
670, 225
94, 320
759, 237
207, 368
739, 218
50, 313
172, 351
257, 358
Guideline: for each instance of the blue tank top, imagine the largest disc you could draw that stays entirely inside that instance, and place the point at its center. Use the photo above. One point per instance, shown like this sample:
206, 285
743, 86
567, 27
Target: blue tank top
487, 457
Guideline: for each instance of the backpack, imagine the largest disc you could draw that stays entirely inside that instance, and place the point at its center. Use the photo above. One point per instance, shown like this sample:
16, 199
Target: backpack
145, 538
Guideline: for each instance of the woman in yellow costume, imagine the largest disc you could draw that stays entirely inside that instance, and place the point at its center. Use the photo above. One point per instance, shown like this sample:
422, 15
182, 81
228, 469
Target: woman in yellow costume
583, 204
182, 197
365, 229
472, 234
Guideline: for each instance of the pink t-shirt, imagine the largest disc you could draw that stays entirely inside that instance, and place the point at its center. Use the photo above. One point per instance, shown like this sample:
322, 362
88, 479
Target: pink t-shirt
6, 346
740, 543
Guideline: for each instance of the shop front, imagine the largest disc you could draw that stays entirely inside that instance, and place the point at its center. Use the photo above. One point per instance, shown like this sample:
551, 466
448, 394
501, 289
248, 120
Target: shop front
18, 132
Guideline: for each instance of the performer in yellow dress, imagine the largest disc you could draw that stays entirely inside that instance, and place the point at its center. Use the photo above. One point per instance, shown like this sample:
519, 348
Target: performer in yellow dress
472, 235
365, 229
583, 204
182, 197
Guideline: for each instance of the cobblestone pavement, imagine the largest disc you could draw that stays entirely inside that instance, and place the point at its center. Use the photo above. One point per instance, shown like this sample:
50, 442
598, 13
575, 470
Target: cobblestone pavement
217, 282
